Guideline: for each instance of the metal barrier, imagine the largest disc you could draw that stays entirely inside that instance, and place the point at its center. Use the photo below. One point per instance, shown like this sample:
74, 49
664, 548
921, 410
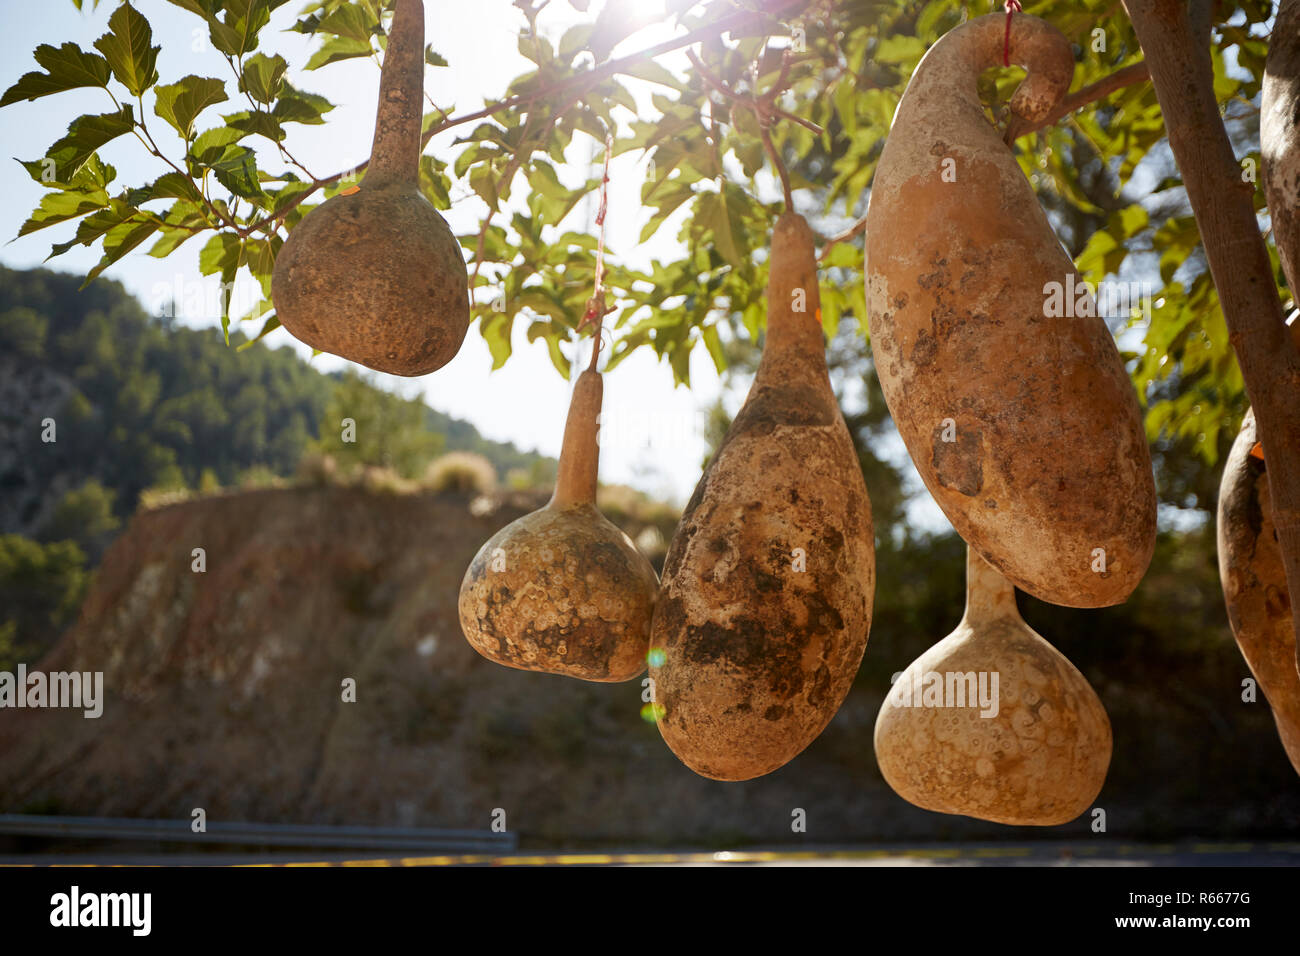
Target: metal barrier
259, 834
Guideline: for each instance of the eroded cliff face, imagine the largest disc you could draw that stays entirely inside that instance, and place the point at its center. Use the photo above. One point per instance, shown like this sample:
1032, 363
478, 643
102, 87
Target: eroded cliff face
224, 691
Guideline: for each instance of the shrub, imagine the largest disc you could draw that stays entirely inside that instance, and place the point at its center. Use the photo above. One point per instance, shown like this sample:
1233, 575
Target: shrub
462, 472
318, 468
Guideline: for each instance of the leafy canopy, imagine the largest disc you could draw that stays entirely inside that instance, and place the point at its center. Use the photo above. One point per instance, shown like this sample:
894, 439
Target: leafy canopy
227, 175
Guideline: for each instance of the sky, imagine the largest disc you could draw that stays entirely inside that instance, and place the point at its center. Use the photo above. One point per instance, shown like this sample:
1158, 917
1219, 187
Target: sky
652, 432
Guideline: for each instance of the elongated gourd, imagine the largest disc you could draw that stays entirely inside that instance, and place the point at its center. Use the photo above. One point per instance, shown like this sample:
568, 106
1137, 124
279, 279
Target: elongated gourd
1254, 584
374, 274
1021, 420
562, 590
993, 722
768, 583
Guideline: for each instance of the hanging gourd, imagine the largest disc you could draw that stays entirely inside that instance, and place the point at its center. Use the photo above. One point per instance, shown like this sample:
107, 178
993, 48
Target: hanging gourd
768, 583
1255, 586
374, 274
562, 590
1021, 420
993, 722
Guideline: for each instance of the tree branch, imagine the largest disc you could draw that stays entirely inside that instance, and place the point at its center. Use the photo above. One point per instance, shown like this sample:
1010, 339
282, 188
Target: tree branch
1175, 38
856, 229
1084, 96
578, 84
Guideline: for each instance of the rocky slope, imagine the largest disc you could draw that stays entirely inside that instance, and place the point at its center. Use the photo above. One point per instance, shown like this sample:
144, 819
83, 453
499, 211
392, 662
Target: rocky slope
224, 692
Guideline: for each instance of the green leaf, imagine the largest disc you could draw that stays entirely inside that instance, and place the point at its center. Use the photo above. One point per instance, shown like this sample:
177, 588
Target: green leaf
262, 77
899, 48
127, 50
119, 241
338, 48
712, 212
432, 58
558, 358
223, 253
350, 21
175, 186
84, 136
181, 102
257, 122
66, 68
271, 324
56, 207
211, 144
299, 106
237, 171
714, 344
495, 329
96, 225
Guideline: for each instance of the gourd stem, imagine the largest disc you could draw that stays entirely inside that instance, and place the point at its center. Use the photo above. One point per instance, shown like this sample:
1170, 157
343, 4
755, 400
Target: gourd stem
575, 480
793, 298
395, 154
988, 594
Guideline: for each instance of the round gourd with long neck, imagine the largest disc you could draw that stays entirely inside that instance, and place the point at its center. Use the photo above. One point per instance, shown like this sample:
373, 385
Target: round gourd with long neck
1004, 382
993, 722
767, 588
1255, 587
375, 275
562, 590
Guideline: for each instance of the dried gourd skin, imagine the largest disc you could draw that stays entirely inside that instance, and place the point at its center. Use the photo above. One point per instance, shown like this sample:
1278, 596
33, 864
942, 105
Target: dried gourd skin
1037, 757
562, 590
1254, 584
375, 274
1024, 427
768, 584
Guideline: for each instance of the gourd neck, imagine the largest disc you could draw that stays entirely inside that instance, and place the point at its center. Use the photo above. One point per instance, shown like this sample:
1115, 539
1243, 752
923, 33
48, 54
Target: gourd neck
575, 479
395, 153
950, 70
989, 596
794, 313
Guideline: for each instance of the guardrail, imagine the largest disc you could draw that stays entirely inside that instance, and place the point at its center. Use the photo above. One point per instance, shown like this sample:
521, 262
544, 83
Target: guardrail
259, 834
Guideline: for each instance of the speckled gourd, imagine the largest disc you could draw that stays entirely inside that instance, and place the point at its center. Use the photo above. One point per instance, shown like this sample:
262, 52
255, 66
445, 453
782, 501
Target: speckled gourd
1255, 587
375, 275
1039, 757
562, 590
1023, 425
768, 584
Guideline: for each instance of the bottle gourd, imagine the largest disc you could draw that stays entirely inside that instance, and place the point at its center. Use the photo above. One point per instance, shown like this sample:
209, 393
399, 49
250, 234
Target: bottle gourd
1255, 586
768, 584
562, 590
1037, 756
1005, 384
374, 274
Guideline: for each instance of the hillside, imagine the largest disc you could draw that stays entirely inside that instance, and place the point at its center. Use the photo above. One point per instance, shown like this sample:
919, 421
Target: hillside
139, 401
223, 692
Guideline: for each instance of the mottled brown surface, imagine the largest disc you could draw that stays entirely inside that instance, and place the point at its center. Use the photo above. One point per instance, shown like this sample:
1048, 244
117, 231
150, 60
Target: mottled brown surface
376, 276
1039, 761
757, 655
569, 594
1254, 585
1279, 137
1048, 460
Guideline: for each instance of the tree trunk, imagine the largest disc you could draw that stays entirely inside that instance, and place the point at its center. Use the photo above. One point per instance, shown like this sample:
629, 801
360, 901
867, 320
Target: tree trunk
1279, 138
1175, 38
